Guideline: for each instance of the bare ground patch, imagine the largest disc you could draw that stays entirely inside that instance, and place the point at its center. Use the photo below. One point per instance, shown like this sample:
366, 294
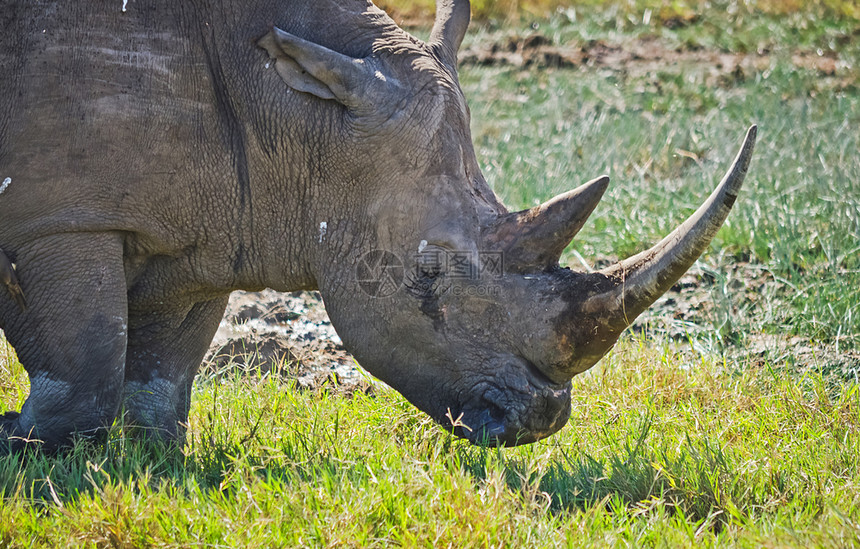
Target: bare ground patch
707, 311
640, 56
284, 334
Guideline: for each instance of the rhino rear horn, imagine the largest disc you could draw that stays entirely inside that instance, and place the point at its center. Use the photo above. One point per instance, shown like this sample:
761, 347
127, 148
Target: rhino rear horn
452, 20
533, 240
310, 68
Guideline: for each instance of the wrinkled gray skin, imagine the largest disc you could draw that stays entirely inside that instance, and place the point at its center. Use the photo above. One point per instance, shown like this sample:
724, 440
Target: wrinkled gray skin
157, 159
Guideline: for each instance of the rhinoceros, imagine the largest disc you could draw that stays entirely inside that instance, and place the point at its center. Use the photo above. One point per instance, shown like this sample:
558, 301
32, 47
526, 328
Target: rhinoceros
156, 155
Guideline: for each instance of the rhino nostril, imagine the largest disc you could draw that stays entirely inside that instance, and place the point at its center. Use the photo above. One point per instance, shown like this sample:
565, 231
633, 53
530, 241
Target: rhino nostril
490, 426
493, 411
538, 377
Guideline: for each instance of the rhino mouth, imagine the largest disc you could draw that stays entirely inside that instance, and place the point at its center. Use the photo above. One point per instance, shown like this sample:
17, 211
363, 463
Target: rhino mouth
520, 405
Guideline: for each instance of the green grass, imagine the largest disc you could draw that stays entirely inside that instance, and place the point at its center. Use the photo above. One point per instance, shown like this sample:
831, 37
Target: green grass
658, 452
664, 447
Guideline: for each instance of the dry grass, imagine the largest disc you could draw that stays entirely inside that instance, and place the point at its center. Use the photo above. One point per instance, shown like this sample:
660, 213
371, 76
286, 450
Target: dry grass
421, 11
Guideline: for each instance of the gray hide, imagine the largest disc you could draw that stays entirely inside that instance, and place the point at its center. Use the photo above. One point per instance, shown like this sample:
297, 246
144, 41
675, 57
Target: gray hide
154, 159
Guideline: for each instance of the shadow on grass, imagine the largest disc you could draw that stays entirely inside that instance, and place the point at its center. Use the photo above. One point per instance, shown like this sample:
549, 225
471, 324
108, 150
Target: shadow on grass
632, 477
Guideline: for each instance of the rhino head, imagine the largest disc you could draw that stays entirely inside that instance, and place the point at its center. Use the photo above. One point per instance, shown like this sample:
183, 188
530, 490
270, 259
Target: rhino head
432, 284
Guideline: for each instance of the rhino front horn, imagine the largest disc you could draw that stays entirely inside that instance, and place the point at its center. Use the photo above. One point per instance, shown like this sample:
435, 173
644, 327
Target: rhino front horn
646, 276
602, 304
533, 240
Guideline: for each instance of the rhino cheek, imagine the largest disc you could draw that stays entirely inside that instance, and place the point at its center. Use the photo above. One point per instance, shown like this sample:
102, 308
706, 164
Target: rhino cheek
522, 321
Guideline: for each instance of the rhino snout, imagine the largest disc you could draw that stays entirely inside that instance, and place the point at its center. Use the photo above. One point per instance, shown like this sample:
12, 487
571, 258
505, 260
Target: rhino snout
517, 406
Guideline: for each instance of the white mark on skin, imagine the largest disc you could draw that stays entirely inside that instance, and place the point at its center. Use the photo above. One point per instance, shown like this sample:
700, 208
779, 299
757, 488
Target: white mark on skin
379, 76
124, 4
421, 246
323, 230
5, 184
123, 326
268, 64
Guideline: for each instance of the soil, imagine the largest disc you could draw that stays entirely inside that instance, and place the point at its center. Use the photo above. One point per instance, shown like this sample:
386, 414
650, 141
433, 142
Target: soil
284, 334
637, 57
699, 312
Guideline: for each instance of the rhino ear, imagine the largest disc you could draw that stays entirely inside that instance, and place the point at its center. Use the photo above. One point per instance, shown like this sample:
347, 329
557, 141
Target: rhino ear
452, 20
319, 71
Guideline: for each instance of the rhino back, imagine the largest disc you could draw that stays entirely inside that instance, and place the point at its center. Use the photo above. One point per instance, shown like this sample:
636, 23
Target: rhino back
107, 112
112, 116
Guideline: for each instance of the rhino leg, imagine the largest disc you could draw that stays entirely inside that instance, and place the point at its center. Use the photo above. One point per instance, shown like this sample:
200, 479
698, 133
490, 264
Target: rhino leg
164, 351
71, 339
